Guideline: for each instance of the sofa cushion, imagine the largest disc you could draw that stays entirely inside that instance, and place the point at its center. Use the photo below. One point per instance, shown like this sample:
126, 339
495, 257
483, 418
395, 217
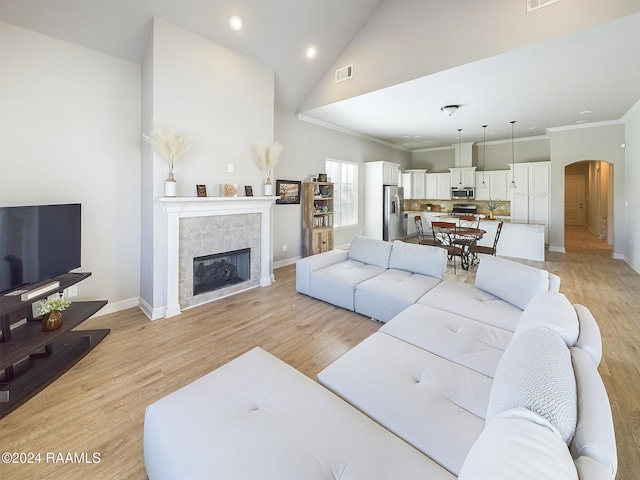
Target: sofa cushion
257, 417
384, 296
370, 250
336, 283
470, 343
595, 437
305, 266
518, 444
510, 281
432, 403
535, 372
423, 259
471, 302
554, 311
590, 339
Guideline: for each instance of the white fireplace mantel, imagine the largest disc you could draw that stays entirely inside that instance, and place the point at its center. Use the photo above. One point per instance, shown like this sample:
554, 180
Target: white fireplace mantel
181, 207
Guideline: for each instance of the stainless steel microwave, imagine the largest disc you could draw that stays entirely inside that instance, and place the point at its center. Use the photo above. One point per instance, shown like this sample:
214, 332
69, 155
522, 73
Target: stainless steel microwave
462, 193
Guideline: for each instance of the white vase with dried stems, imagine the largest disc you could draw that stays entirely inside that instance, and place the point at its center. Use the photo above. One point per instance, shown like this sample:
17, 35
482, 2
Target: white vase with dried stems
171, 146
267, 157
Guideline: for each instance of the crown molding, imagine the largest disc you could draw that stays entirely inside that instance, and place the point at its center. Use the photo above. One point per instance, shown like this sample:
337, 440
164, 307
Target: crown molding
606, 123
348, 131
633, 111
492, 142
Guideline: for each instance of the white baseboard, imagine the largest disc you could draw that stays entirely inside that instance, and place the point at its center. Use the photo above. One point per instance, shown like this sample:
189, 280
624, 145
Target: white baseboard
557, 249
149, 311
286, 261
113, 307
630, 262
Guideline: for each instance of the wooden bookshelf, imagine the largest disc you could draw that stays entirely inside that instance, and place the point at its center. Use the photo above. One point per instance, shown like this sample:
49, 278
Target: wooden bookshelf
317, 217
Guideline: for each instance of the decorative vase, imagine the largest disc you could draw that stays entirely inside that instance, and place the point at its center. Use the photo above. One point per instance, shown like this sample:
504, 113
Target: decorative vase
52, 321
491, 214
268, 188
170, 186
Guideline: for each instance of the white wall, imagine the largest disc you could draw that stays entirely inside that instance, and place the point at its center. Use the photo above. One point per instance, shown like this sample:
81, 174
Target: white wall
224, 102
69, 131
631, 247
306, 147
598, 142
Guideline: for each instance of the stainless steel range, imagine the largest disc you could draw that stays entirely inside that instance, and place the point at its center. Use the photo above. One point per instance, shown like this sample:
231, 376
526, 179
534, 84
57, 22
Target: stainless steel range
464, 209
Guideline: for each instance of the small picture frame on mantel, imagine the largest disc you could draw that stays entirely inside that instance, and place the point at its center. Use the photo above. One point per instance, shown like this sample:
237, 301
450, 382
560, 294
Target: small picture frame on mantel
201, 190
248, 191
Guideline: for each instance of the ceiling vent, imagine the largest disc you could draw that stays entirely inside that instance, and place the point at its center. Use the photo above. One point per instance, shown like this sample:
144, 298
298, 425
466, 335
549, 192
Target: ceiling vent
536, 4
344, 73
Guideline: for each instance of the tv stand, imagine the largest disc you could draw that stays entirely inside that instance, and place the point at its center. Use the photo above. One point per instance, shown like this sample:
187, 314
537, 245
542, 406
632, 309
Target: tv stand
31, 359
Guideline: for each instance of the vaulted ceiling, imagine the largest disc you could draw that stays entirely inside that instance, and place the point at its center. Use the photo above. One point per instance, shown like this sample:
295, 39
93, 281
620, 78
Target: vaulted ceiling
565, 63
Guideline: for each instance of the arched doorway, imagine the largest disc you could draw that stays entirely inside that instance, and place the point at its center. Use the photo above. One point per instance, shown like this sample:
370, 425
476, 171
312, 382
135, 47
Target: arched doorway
588, 202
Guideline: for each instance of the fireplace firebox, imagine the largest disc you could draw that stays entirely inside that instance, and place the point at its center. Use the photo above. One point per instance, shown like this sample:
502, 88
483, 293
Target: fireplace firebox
219, 270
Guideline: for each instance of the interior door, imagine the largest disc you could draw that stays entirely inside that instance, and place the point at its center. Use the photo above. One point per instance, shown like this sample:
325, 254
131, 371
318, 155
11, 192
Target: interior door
574, 200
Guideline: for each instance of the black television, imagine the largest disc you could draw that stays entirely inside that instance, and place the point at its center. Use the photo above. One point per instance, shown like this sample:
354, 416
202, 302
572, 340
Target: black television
38, 242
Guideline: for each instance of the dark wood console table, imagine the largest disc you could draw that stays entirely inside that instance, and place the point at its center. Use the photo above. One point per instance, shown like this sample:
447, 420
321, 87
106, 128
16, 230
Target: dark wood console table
31, 359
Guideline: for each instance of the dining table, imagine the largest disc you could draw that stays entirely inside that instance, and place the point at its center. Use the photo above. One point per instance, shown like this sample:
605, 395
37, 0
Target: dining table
464, 237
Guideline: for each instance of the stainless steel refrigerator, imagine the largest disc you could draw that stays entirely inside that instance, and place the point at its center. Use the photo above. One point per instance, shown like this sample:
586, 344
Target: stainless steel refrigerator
394, 226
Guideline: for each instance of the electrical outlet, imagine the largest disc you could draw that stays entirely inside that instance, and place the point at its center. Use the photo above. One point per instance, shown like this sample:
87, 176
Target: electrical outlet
284, 248
230, 167
72, 291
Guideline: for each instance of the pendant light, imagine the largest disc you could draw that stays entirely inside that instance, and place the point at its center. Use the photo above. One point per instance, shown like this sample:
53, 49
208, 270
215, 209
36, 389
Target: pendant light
484, 154
513, 158
460, 155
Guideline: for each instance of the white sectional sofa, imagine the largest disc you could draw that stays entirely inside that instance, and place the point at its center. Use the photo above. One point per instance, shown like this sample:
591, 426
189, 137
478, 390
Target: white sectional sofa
471, 382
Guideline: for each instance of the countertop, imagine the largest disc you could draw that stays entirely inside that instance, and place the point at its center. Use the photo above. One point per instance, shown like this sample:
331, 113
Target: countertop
503, 218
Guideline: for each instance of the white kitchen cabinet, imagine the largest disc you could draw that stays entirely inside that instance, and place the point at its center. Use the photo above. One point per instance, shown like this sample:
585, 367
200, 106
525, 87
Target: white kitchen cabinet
415, 181
390, 173
464, 175
405, 182
532, 178
500, 184
438, 186
496, 182
532, 206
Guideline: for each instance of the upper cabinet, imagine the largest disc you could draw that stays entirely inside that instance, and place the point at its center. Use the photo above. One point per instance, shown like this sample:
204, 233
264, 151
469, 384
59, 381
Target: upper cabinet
414, 182
531, 178
465, 176
390, 173
438, 186
381, 173
496, 185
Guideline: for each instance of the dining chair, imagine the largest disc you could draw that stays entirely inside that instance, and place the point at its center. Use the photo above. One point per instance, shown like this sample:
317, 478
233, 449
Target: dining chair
444, 235
424, 237
475, 250
467, 221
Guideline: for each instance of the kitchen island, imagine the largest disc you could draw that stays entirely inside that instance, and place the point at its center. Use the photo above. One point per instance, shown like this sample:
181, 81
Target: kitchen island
523, 240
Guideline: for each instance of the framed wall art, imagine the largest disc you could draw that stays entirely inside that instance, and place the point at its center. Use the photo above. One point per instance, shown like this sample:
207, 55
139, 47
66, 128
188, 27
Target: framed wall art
288, 192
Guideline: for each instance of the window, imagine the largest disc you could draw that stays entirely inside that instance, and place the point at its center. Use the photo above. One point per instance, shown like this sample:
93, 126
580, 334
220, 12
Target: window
344, 176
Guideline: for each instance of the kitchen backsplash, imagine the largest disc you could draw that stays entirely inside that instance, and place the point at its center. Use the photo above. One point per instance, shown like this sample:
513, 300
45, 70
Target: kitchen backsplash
420, 205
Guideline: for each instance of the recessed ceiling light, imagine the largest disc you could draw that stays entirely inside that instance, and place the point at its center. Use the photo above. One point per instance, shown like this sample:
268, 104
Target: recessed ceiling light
532, 128
585, 112
416, 136
581, 121
311, 52
404, 135
236, 22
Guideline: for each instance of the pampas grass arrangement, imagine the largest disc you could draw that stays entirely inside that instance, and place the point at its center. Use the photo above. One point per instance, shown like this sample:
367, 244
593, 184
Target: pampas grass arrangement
171, 145
267, 157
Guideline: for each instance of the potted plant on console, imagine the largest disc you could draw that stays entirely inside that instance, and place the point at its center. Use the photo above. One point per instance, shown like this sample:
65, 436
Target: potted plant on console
492, 206
52, 309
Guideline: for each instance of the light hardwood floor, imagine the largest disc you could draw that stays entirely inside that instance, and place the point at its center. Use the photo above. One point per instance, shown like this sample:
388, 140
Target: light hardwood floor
98, 406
